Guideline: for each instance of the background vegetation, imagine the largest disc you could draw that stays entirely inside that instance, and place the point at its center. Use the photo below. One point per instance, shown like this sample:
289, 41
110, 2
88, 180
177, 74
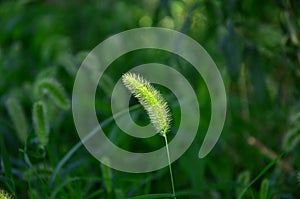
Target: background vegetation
254, 43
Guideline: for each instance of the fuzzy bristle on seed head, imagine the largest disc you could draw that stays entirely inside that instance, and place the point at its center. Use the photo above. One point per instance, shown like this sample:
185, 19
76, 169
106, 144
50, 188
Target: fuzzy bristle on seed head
151, 99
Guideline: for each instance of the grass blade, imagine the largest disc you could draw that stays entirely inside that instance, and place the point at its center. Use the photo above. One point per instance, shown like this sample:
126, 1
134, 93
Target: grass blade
79, 144
261, 174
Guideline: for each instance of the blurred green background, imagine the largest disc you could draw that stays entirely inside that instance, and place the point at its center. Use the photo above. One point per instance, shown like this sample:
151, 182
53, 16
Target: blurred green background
255, 45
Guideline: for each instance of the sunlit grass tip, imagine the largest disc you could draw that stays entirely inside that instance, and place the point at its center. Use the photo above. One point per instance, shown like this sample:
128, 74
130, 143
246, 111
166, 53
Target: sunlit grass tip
151, 99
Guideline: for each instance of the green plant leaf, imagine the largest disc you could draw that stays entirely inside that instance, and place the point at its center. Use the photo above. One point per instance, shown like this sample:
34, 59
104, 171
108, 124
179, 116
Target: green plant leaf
107, 176
265, 169
264, 189
6, 164
243, 180
230, 44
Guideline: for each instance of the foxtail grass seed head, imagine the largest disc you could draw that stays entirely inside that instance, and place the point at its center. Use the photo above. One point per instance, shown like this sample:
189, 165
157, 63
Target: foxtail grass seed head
151, 99
54, 89
264, 189
4, 195
17, 115
40, 122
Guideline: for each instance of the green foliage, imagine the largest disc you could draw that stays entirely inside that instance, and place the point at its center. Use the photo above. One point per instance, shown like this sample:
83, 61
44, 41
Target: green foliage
261, 173
255, 45
151, 99
9, 182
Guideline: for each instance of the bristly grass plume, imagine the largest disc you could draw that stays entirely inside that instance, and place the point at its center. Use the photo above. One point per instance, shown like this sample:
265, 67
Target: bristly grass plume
151, 100
155, 105
4, 195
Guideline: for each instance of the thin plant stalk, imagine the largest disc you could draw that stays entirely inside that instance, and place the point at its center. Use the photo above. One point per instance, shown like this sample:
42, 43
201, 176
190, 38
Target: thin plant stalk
170, 167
